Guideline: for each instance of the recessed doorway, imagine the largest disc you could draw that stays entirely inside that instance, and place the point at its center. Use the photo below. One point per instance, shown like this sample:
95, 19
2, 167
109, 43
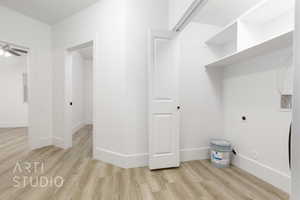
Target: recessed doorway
14, 108
79, 95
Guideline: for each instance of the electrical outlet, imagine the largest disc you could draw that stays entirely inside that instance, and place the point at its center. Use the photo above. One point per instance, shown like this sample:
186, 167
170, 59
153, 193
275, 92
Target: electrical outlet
286, 102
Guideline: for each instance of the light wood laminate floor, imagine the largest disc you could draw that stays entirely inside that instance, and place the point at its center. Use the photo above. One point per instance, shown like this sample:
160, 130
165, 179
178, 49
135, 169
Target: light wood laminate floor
89, 179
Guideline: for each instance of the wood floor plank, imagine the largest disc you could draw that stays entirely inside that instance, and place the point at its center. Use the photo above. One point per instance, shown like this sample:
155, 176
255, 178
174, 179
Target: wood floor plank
245, 191
88, 179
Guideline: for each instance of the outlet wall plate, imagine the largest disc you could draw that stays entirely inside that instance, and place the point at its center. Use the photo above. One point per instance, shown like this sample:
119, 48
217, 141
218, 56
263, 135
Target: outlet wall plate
286, 102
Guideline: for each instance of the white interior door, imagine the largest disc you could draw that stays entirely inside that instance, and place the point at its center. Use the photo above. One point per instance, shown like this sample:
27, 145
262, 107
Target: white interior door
163, 101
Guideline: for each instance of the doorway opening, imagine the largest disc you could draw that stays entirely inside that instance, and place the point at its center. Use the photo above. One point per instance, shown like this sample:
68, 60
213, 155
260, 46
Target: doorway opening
79, 96
14, 108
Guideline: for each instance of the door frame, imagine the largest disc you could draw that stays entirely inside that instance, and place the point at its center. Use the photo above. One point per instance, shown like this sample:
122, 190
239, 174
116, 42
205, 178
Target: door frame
68, 133
295, 149
152, 34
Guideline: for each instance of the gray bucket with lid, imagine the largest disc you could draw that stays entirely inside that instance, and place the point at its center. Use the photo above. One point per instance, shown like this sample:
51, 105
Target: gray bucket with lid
220, 153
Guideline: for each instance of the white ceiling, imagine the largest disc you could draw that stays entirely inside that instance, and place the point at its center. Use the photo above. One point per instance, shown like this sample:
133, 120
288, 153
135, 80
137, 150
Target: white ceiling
47, 11
222, 12
86, 53
216, 12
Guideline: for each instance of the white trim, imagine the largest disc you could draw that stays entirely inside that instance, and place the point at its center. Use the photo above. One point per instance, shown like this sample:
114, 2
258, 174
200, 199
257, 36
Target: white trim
94, 92
122, 160
67, 99
68, 130
43, 142
189, 14
268, 174
78, 127
59, 142
141, 159
88, 122
275, 177
13, 125
172, 158
194, 154
30, 62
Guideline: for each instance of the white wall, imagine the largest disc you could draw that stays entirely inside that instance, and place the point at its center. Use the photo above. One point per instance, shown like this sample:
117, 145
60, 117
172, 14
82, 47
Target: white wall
120, 87
78, 97
141, 16
27, 32
13, 110
88, 91
252, 89
103, 21
121, 28
200, 92
121, 72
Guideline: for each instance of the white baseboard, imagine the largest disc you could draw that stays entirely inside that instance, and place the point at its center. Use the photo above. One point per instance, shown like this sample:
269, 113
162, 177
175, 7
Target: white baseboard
121, 160
78, 127
43, 142
277, 178
194, 154
13, 125
141, 160
268, 174
59, 142
89, 122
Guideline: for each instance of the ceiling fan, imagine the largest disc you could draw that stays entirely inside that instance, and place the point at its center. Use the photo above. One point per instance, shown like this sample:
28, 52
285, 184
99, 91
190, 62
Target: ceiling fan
7, 50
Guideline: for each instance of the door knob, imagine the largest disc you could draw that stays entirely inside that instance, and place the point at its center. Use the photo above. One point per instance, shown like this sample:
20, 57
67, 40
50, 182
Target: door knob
178, 107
